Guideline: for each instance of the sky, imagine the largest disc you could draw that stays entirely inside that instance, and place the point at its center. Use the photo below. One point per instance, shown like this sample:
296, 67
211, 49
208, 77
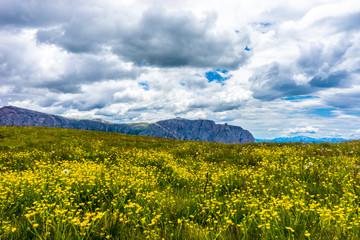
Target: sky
276, 68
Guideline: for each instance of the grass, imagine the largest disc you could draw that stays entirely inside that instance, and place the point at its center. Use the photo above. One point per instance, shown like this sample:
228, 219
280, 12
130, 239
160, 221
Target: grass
73, 184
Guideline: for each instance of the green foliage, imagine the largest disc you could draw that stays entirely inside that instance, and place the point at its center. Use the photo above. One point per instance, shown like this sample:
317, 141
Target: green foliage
72, 184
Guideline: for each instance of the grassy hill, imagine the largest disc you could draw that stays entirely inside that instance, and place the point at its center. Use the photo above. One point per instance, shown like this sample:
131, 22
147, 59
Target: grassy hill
73, 184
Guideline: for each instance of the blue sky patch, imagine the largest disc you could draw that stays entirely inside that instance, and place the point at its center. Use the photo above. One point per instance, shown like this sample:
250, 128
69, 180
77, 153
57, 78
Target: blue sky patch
323, 112
218, 75
247, 49
145, 86
298, 98
353, 113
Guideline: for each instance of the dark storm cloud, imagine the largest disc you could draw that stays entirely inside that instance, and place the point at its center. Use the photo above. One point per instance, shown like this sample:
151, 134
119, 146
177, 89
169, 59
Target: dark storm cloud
344, 100
83, 104
338, 79
160, 38
60, 86
270, 82
322, 64
88, 69
316, 58
35, 13
180, 39
325, 63
217, 105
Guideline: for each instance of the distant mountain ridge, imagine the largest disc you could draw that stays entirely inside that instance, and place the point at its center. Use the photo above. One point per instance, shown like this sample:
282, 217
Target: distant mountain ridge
178, 128
303, 139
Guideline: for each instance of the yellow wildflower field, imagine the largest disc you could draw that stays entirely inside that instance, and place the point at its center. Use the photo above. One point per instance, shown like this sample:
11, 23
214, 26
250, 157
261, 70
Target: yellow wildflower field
72, 184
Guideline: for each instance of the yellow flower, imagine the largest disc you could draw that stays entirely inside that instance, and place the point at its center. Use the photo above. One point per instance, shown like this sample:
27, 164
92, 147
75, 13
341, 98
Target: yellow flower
289, 228
35, 225
307, 234
13, 229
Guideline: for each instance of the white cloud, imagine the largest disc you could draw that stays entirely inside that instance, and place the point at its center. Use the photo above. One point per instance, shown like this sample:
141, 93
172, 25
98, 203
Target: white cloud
300, 130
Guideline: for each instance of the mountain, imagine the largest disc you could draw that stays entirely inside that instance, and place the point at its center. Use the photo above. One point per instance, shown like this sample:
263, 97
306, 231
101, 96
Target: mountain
303, 139
178, 128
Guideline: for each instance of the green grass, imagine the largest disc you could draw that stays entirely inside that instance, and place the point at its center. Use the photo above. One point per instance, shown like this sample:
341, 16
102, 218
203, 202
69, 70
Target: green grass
73, 184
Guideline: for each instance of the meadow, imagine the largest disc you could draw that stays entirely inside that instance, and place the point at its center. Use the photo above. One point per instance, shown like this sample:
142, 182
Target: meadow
73, 184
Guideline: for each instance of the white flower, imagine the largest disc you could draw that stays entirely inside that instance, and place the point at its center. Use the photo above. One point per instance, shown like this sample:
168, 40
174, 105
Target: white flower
310, 164
306, 166
66, 171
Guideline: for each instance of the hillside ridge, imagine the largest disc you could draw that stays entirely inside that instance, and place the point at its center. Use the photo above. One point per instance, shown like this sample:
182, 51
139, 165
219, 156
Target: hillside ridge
176, 128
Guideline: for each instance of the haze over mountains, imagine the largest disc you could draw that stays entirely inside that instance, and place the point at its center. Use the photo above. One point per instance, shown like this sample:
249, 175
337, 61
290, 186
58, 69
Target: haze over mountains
178, 128
303, 139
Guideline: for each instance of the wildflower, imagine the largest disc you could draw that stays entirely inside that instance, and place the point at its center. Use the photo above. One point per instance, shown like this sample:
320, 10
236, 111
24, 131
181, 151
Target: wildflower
308, 165
66, 171
13, 229
289, 228
307, 234
35, 225
229, 221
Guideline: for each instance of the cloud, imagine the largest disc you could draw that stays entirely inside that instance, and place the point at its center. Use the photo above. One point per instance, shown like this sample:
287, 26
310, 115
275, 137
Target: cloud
37, 13
301, 130
319, 59
346, 100
25, 63
334, 80
324, 58
158, 38
270, 82
88, 68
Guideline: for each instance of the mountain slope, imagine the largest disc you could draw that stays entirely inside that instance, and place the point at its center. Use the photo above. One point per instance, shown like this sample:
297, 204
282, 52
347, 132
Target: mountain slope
202, 130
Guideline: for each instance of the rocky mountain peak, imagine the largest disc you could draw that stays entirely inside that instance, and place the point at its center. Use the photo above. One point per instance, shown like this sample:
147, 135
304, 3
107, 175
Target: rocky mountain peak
176, 128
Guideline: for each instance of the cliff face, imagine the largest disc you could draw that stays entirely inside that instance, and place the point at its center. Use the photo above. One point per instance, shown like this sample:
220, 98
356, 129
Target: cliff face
183, 129
202, 130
